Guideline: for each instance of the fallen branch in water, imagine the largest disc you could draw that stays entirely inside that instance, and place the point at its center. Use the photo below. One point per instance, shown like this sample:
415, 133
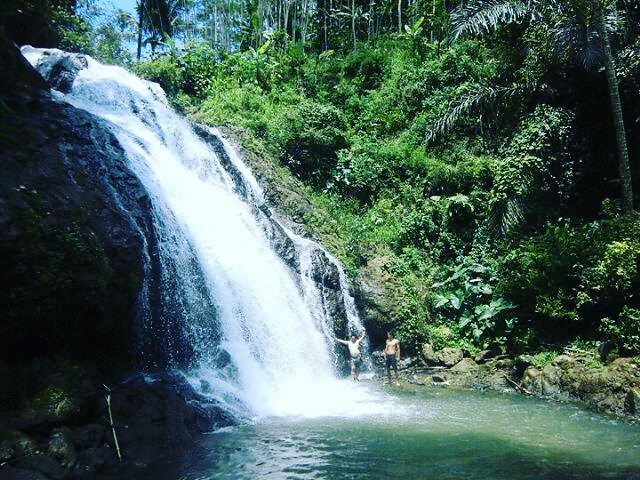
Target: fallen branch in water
516, 386
113, 427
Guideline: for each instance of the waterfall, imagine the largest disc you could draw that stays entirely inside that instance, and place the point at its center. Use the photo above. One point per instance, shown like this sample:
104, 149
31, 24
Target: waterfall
254, 324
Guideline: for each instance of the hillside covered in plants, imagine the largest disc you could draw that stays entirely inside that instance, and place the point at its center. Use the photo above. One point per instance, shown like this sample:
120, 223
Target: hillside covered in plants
472, 163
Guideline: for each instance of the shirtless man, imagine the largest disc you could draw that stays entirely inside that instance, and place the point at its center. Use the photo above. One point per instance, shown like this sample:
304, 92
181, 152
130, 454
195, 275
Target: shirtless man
354, 351
392, 356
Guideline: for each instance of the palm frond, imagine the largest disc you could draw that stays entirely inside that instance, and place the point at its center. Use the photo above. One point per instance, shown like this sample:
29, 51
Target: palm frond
475, 101
506, 215
581, 41
481, 16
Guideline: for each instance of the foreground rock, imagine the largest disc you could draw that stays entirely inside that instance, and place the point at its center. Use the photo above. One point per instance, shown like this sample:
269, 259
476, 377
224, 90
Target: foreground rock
153, 417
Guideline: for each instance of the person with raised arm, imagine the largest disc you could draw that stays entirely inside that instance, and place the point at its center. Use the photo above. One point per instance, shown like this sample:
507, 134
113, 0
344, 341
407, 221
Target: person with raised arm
354, 352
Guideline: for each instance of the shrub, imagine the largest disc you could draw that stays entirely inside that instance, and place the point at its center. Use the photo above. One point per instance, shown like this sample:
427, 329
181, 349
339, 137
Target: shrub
199, 62
308, 136
625, 331
163, 70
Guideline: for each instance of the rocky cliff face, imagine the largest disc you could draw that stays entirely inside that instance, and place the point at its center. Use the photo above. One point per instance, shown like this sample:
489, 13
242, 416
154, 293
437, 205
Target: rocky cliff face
73, 223
76, 246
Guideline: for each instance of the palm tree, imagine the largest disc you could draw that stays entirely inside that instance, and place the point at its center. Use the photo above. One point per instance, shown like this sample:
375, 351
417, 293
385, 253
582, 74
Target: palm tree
157, 19
580, 27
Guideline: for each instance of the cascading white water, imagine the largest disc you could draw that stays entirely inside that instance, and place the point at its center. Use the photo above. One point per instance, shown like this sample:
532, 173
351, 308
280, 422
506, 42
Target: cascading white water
276, 335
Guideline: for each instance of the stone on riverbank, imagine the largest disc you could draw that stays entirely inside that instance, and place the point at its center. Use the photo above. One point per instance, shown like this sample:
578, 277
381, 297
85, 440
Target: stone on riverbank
486, 355
429, 355
465, 365
449, 356
632, 401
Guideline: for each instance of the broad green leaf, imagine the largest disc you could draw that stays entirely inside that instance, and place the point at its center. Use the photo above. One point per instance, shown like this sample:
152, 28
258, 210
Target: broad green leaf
456, 302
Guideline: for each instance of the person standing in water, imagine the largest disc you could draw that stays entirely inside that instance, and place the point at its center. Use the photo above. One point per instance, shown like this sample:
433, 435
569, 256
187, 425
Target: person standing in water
392, 356
354, 351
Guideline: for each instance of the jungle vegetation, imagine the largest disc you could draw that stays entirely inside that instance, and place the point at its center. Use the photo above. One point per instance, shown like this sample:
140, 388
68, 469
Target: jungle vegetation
479, 158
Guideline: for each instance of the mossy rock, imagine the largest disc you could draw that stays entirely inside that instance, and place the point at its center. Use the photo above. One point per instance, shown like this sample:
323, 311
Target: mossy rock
53, 405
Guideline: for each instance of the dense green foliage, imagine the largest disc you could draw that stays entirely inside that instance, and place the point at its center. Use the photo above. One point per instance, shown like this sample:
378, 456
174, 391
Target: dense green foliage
504, 232
474, 180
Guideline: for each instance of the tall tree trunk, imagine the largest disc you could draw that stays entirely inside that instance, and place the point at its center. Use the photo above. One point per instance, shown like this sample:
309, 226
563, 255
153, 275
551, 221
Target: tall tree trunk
618, 119
399, 16
353, 22
140, 17
325, 26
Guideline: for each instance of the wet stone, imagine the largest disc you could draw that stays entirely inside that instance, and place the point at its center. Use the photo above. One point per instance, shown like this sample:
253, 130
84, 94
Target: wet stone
43, 464
20, 474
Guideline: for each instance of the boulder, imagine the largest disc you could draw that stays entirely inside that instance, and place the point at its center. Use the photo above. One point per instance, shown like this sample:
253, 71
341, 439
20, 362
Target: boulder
51, 406
43, 464
550, 380
563, 360
17, 445
406, 362
88, 436
531, 379
429, 354
623, 363
632, 401
465, 365
439, 378
377, 357
6, 451
20, 474
159, 414
60, 69
605, 349
450, 356
93, 460
503, 363
60, 447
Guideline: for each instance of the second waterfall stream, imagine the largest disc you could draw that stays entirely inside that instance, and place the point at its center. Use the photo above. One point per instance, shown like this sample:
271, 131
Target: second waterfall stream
220, 278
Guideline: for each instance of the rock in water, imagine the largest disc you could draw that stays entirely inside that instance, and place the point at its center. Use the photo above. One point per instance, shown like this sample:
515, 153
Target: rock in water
532, 379
59, 69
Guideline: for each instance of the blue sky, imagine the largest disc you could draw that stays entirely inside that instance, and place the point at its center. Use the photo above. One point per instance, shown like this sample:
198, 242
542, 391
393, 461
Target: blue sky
126, 5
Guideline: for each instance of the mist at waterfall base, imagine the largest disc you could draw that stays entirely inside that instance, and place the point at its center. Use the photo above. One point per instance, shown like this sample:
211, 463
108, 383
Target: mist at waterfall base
260, 336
